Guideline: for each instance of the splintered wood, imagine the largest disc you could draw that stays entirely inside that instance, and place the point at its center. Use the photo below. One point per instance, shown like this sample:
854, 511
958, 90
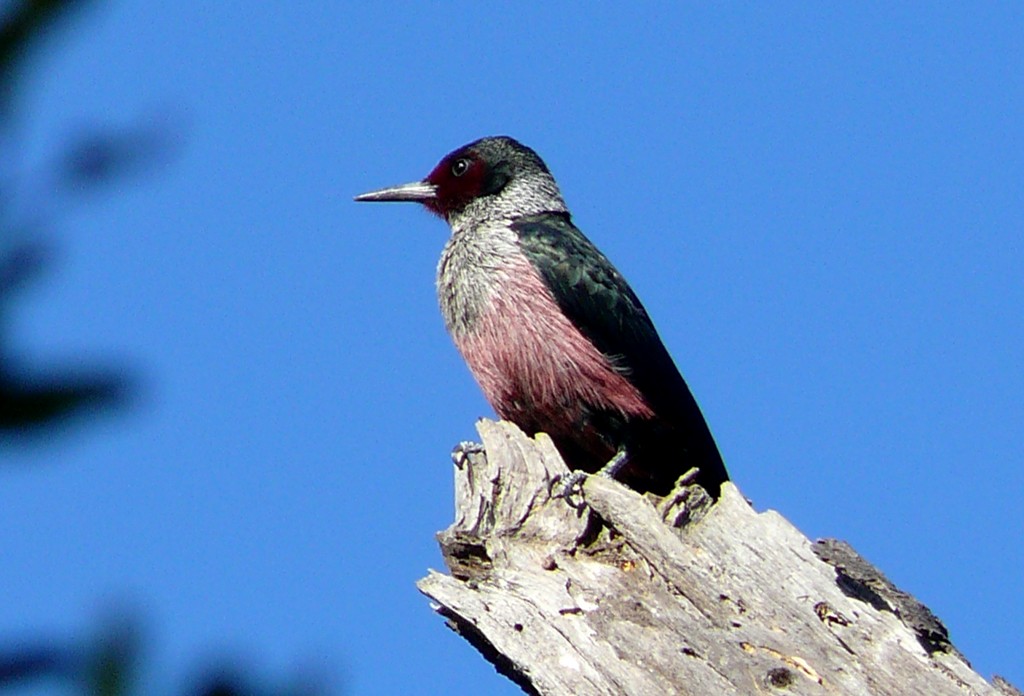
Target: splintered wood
626, 594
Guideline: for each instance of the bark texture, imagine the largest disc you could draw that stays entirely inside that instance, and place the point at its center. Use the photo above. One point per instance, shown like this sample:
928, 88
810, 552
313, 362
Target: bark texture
639, 595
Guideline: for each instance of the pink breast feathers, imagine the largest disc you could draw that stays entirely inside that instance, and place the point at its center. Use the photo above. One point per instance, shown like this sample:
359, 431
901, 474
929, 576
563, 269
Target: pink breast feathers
534, 366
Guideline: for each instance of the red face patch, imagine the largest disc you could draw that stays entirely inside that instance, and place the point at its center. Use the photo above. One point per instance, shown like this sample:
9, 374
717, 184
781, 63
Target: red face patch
459, 178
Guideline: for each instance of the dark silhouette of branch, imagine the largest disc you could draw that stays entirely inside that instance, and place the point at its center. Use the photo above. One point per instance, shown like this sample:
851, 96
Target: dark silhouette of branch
26, 23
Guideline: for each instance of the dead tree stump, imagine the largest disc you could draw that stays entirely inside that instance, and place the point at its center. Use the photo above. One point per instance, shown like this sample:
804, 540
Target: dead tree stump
639, 595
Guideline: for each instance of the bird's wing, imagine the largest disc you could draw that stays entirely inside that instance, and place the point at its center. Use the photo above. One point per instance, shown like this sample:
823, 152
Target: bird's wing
600, 303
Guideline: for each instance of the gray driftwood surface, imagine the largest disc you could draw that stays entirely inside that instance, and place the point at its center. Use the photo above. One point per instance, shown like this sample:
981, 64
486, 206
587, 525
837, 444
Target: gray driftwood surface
635, 595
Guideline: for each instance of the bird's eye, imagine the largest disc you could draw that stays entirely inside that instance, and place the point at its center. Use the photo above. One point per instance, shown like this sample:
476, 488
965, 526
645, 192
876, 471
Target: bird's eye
460, 167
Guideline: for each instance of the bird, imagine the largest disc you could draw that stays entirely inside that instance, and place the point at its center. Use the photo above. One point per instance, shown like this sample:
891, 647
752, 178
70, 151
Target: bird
555, 337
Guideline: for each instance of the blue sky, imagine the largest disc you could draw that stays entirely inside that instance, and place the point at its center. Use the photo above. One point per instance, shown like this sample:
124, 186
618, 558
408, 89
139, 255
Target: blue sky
820, 207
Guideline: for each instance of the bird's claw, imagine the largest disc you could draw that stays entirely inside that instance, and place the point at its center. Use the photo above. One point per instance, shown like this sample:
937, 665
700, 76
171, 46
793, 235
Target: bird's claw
570, 489
462, 451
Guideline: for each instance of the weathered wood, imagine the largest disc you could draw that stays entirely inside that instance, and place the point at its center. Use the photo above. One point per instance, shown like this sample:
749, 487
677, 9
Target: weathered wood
637, 595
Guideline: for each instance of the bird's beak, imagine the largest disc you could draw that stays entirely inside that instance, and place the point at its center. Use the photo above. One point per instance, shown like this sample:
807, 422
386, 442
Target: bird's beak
417, 191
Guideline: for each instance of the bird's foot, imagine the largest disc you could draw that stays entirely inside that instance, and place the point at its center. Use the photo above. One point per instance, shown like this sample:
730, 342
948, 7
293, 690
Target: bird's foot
570, 489
615, 464
461, 452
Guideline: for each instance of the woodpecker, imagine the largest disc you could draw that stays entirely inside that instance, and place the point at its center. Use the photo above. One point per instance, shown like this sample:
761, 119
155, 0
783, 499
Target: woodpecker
554, 335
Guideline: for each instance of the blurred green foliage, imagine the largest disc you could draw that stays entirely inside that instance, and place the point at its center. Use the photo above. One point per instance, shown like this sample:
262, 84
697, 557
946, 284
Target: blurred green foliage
31, 401
107, 664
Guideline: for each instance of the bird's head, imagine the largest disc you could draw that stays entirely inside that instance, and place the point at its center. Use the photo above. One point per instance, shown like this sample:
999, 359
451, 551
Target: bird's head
494, 178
